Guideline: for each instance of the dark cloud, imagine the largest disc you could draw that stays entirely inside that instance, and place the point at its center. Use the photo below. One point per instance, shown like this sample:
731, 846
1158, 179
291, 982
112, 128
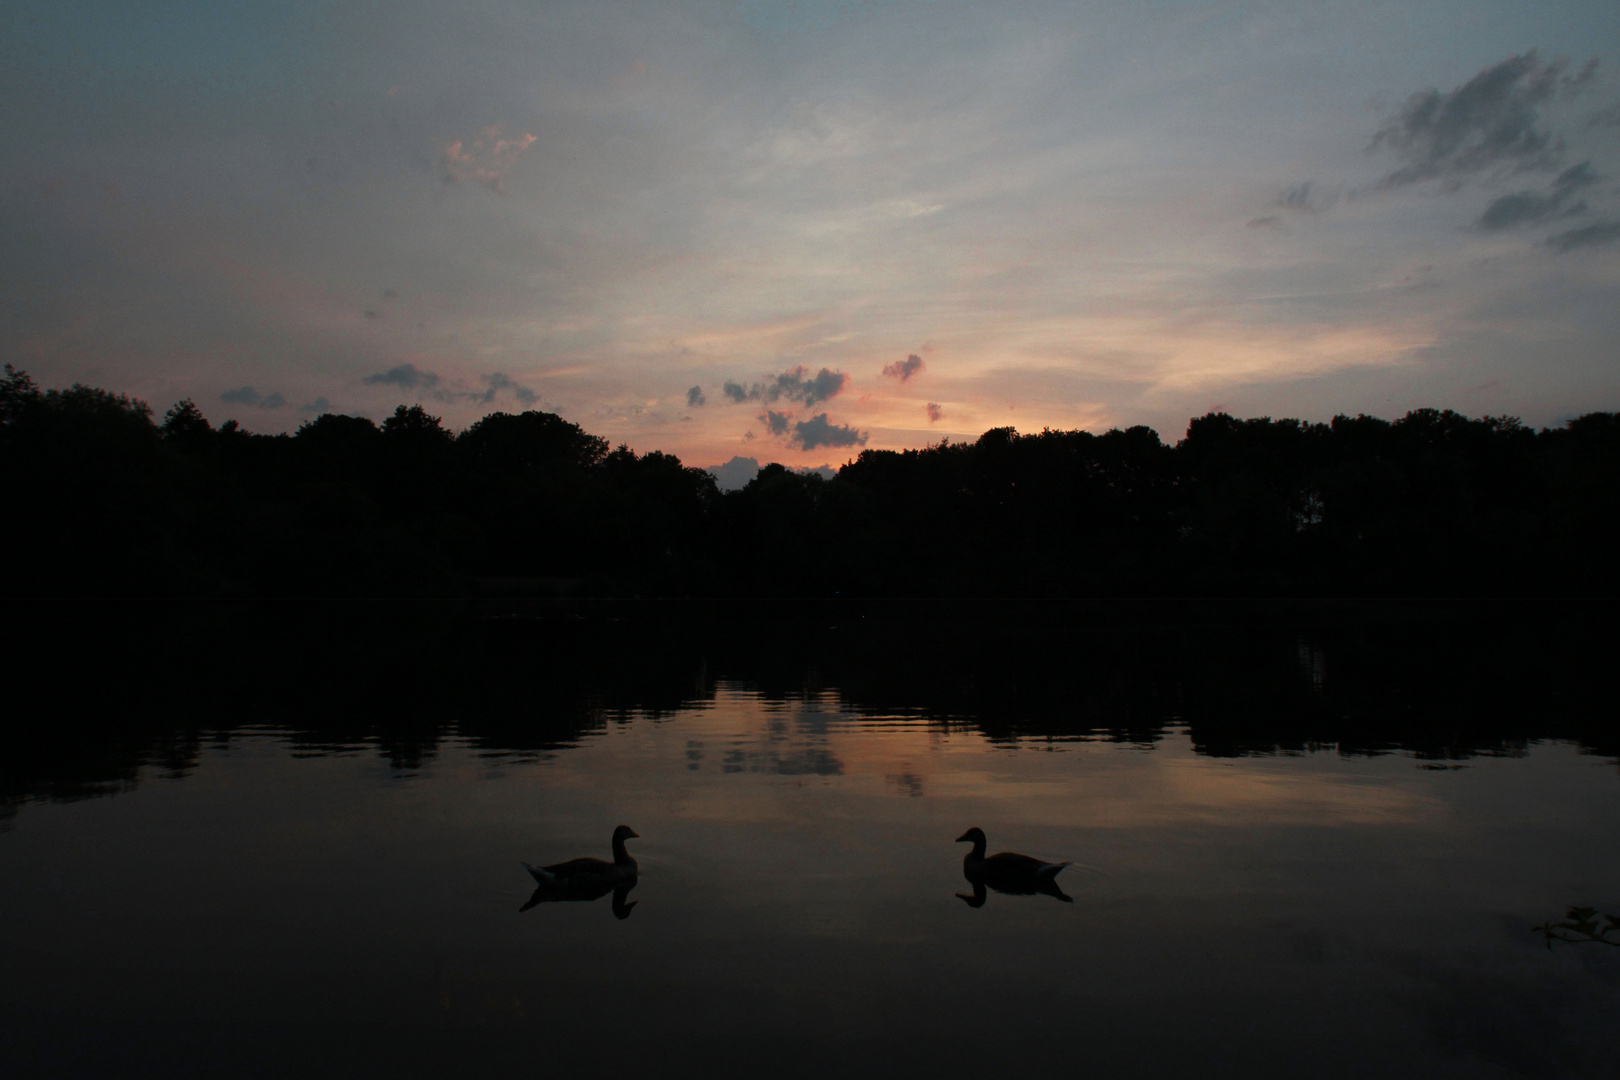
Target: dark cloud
1491, 121
496, 382
319, 405
1577, 176
826, 384
904, 369
734, 474
936, 412
817, 431
776, 423
1609, 117
1304, 197
1297, 197
792, 385
247, 395
1570, 85
1528, 207
405, 375
1595, 235
695, 398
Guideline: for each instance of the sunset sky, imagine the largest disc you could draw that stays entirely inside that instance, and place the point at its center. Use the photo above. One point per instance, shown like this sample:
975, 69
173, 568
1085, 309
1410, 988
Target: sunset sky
789, 230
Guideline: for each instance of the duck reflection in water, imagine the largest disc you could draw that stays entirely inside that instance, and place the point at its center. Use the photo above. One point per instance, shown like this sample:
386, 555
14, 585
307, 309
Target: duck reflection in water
1007, 872
588, 878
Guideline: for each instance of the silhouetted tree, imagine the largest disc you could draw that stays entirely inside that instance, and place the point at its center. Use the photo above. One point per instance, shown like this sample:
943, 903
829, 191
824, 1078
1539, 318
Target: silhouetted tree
185, 425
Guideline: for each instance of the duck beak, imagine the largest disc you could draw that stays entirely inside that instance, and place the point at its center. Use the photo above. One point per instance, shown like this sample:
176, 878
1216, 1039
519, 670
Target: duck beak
633, 834
963, 837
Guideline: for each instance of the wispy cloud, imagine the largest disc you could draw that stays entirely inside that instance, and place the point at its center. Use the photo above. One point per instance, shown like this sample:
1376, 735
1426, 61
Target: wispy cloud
936, 412
1492, 121
1303, 198
487, 158
1297, 197
1598, 234
316, 407
1529, 207
695, 398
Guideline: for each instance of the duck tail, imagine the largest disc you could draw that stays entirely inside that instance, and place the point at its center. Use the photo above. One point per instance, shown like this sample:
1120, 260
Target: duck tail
541, 877
1050, 870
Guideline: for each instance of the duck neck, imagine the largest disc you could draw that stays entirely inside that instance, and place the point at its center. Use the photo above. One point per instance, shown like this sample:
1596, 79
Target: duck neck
621, 857
978, 849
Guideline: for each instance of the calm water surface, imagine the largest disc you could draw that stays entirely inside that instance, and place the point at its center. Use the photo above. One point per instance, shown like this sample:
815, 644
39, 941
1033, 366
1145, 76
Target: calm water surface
251, 895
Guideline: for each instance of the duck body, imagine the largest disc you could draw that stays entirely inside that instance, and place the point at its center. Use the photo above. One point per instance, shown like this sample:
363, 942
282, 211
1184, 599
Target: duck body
1007, 872
588, 878
581, 871
589, 872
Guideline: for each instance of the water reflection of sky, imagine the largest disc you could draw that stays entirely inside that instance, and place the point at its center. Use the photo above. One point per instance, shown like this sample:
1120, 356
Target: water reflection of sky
1311, 914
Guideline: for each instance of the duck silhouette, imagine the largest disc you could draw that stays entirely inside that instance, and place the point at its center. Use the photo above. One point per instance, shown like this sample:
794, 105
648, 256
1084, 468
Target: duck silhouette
588, 878
1007, 872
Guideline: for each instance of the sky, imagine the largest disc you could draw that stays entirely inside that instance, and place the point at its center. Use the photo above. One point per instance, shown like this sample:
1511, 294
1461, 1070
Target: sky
790, 231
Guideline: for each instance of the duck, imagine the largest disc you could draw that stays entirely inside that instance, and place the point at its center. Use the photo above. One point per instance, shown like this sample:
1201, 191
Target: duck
588, 874
1007, 872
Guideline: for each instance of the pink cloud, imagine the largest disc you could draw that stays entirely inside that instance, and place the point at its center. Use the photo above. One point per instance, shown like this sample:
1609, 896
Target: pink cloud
486, 158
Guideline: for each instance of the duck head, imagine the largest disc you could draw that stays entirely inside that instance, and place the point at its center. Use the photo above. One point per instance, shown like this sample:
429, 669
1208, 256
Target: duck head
623, 833
975, 834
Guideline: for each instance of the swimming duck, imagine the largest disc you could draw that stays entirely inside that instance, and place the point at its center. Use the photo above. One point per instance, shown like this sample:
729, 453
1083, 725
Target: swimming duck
1007, 872
588, 873
588, 878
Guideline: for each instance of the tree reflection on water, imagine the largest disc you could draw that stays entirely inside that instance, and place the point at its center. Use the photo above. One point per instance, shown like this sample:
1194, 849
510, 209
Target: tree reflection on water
134, 687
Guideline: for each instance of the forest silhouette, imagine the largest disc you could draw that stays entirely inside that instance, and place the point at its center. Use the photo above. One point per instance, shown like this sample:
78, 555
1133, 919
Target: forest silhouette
102, 499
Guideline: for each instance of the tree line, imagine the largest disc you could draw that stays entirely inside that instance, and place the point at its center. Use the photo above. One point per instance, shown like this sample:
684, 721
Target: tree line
102, 498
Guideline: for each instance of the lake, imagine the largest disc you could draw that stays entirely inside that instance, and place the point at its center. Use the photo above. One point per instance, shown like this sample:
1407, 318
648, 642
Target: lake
1323, 840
